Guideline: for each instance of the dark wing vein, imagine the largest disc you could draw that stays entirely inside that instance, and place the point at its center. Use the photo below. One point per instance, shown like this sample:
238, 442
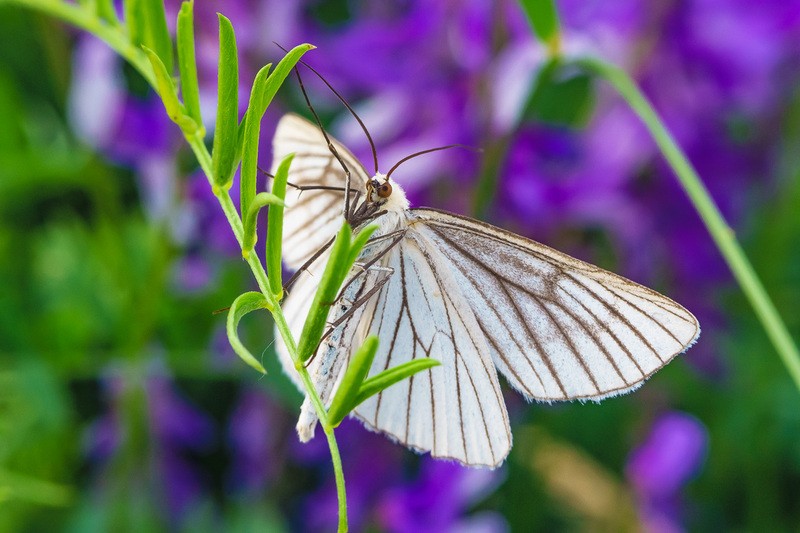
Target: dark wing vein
560, 328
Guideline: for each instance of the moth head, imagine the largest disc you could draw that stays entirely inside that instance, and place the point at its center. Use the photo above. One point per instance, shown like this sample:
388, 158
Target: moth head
378, 188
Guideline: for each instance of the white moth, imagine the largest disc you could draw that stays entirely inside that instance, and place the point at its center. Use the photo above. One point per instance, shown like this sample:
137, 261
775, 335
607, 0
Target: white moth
477, 298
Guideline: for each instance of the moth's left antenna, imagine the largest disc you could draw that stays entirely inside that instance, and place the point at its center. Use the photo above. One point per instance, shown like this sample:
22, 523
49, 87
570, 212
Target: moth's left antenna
331, 147
347, 105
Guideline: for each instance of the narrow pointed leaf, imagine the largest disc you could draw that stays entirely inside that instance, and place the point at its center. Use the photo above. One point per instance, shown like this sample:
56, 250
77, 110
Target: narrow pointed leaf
251, 219
252, 131
134, 20
387, 378
275, 228
165, 86
264, 88
156, 34
354, 376
282, 70
187, 64
359, 241
335, 271
543, 16
245, 303
226, 129
105, 10
344, 252
240, 139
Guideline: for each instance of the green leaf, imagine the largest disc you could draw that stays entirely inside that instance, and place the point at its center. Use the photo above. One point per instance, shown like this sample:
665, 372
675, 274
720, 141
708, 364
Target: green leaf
389, 377
225, 131
251, 219
134, 20
335, 271
543, 16
275, 228
187, 64
156, 34
264, 88
252, 130
165, 86
245, 303
359, 241
344, 252
105, 10
282, 70
240, 132
561, 100
354, 376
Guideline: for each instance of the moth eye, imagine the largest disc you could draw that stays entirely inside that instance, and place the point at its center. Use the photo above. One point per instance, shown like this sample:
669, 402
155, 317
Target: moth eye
385, 190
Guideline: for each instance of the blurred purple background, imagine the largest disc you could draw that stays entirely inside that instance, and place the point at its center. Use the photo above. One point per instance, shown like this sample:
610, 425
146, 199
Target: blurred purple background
564, 161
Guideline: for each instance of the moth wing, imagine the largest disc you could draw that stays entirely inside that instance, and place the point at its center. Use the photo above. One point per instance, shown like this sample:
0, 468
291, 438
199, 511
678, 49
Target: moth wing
558, 328
455, 410
312, 217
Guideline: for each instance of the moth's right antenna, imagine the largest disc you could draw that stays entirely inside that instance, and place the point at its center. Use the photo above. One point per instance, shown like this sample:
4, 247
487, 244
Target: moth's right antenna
429, 150
347, 105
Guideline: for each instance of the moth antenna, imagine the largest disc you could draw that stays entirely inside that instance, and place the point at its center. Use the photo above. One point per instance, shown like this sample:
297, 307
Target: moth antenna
429, 150
347, 105
331, 147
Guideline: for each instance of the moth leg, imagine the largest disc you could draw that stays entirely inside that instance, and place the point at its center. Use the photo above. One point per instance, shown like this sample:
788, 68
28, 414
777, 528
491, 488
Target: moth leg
354, 307
396, 237
307, 264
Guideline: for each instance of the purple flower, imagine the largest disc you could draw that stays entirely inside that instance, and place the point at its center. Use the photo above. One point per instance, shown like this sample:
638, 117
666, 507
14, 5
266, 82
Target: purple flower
671, 455
178, 428
97, 93
370, 461
105, 115
253, 436
193, 273
439, 499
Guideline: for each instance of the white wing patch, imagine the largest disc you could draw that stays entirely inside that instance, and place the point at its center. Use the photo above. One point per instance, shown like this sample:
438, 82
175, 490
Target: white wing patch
312, 216
559, 328
455, 410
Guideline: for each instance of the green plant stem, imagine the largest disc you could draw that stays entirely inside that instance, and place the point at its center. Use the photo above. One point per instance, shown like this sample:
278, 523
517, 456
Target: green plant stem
225, 201
112, 34
322, 414
722, 234
334, 447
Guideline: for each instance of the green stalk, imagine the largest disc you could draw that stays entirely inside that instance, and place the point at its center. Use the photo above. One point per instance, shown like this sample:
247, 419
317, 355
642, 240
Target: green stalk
316, 401
204, 158
335, 458
723, 235
118, 41
201, 152
283, 328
